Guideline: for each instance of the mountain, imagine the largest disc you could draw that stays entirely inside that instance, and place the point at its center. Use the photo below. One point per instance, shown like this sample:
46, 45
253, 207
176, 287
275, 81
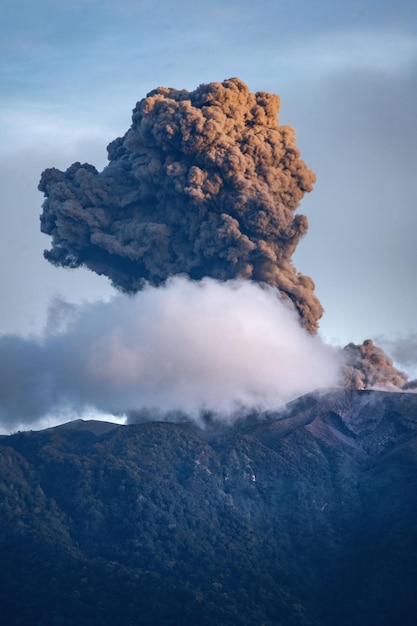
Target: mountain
307, 517
98, 427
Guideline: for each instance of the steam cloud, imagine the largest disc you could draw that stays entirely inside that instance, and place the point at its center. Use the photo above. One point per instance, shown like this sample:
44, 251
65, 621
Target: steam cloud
367, 366
204, 183
187, 346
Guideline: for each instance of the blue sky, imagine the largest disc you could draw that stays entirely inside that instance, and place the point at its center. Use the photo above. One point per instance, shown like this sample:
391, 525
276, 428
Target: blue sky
70, 73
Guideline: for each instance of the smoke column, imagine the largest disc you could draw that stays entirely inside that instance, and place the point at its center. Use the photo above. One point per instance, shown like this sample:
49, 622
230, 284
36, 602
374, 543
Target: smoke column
196, 210
366, 366
204, 183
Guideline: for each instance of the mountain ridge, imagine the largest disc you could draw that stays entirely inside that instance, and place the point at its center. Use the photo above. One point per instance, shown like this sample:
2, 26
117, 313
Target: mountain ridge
306, 519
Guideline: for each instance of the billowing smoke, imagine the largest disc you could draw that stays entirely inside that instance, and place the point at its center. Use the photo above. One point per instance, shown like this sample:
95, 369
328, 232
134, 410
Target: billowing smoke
186, 347
367, 366
205, 183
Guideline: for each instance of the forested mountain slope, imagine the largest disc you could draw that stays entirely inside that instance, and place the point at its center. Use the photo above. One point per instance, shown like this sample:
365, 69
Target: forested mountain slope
306, 517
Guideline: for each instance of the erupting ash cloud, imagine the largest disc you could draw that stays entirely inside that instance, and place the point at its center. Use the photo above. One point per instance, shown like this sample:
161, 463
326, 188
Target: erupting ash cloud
367, 366
196, 211
204, 183
187, 347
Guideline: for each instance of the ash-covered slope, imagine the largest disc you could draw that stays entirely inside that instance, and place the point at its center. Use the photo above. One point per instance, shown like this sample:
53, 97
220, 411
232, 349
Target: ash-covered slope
309, 517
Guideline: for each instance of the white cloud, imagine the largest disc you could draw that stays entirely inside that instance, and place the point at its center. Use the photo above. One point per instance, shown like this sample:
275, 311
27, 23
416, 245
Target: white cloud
184, 347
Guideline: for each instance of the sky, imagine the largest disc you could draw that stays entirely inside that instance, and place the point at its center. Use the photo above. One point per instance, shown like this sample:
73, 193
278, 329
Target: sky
70, 74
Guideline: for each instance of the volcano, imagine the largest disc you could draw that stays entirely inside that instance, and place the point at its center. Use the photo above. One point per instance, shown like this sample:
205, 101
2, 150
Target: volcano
305, 516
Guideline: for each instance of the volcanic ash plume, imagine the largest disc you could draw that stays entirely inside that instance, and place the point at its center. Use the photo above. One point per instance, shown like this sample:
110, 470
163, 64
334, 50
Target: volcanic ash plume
367, 366
204, 183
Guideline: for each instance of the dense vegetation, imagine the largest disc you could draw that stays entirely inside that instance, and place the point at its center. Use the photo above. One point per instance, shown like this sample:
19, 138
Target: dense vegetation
309, 519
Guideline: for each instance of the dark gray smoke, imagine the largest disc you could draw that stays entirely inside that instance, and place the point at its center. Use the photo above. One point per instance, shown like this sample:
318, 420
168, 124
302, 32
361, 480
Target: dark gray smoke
367, 366
204, 183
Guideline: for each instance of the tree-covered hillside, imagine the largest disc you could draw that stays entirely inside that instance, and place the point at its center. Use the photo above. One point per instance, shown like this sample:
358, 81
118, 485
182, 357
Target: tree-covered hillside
304, 518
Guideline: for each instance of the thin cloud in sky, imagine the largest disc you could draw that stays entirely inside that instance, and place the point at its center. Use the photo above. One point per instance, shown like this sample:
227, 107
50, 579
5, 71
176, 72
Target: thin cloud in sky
354, 50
